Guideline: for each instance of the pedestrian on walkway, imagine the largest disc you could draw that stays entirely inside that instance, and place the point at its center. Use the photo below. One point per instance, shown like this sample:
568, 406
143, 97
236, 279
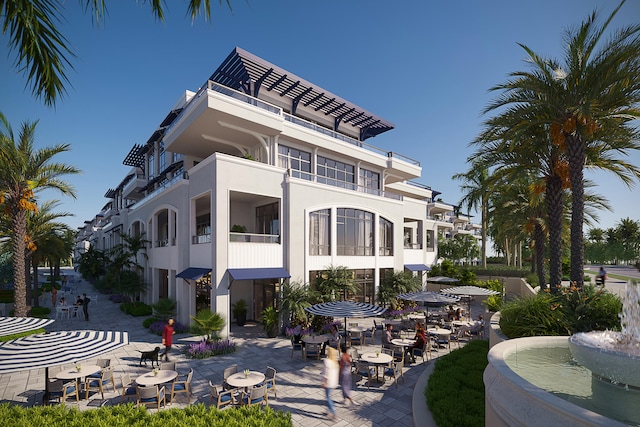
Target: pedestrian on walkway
330, 376
346, 378
54, 295
85, 306
167, 338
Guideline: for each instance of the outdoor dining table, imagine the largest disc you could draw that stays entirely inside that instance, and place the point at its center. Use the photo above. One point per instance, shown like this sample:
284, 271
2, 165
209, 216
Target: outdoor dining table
76, 374
315, 339
162, 376
240, 380
404, 343
438, 331
377, 359
459, 323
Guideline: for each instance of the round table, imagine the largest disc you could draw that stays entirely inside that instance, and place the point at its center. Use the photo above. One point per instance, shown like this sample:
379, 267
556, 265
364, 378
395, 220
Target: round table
75, 374
438, 331
164, 376
315, 339
404, 343
377, 360
239, 380
460, 323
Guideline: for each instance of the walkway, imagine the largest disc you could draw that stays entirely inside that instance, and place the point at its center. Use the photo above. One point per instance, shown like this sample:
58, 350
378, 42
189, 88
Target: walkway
298, 382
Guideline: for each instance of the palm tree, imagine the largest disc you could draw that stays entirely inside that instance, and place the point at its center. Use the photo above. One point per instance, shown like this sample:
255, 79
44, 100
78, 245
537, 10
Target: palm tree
40, 48
25, 170
476, 190
587, 105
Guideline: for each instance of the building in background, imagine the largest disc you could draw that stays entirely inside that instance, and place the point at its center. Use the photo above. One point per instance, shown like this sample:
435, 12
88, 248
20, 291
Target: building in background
262, 176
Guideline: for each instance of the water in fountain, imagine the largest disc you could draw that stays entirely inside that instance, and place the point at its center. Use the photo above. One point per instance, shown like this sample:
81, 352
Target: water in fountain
614, 355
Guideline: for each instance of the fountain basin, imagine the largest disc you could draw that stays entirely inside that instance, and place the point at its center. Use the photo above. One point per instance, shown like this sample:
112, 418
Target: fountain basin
511, 400
603, 354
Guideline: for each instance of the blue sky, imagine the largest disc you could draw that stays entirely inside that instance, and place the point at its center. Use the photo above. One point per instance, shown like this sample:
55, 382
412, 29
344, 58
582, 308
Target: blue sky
426, 66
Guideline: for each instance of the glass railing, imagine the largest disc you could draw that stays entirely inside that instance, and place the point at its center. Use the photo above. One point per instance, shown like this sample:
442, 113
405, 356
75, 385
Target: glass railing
342, 184
165, 184
254, 238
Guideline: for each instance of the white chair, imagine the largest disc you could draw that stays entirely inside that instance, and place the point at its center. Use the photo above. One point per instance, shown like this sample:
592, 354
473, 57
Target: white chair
62, 312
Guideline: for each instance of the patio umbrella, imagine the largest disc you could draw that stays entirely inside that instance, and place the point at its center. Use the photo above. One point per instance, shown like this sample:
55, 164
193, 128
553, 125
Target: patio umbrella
442, 279
16, 325
429, 297
345, 309
57, 348
469, 291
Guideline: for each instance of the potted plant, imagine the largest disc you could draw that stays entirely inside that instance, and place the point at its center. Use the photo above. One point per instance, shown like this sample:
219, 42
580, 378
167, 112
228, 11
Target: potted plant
270, 321
235, 228
240, 312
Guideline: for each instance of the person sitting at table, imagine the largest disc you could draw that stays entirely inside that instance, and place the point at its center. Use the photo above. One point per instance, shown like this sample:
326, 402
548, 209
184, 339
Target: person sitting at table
474, 327
297, 334
458, 315
333, 341
421, 340
63, 302
387, 337
451, 312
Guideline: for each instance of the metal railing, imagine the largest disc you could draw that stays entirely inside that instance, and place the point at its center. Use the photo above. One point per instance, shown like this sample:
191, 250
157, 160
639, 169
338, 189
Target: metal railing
307, 176
253, 238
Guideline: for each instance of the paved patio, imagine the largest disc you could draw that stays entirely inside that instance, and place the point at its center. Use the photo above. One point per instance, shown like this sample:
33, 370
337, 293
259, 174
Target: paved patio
298, 382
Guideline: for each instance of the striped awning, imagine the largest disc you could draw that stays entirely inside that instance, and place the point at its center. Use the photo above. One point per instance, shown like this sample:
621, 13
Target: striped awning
429, 297
17, 325
57, 348
469, 291
345, 309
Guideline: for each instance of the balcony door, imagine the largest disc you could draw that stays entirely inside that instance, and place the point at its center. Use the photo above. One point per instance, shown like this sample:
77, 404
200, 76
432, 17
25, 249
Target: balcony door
264, 292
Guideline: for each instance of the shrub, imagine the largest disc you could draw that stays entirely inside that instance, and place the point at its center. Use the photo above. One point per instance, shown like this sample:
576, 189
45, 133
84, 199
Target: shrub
136, 309
148, 321
6, 296
158, 326
205, 349
570, 311
41, 312
6, 338
456, 374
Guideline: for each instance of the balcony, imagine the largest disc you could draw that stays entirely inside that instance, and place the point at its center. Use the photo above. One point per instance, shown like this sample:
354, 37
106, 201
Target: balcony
341, 184
133, 188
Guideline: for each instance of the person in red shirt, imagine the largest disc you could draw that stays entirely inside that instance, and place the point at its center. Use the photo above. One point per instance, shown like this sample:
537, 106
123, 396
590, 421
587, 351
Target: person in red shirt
167, 338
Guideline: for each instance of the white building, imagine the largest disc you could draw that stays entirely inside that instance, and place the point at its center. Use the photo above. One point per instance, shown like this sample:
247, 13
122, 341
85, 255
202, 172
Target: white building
260, 149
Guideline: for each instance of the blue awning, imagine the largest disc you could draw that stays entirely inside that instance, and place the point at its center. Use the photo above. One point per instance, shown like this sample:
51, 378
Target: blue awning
258, 273
193, 273
416, 267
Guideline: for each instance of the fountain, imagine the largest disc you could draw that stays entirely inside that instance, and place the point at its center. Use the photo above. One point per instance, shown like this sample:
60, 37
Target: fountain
614, 356
590, 379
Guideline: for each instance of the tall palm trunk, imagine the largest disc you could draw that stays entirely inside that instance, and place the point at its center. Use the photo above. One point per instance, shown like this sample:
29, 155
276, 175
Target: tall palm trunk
539, 242
553, 196
19, 228
576, 158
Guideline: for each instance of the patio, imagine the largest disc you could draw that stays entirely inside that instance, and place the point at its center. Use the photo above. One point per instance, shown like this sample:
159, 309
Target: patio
298, 382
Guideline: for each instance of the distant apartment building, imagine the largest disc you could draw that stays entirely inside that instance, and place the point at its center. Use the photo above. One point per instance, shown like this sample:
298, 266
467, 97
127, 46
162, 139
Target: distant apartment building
262, 176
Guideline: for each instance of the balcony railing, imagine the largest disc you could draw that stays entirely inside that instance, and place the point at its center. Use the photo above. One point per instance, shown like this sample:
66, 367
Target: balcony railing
200, 239
341, 184
162, 187
254, 238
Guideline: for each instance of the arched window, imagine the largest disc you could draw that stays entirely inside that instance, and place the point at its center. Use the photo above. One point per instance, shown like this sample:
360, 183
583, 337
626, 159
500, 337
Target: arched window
320, 232
355, 232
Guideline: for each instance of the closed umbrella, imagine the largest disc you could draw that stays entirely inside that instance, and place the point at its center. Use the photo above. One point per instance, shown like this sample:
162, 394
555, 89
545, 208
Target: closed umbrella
17, 325
345, 309
469, 291
57, 348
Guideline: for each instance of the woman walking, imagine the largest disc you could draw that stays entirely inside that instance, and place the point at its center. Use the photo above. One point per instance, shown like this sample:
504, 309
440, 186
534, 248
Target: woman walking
330, 374
345, 375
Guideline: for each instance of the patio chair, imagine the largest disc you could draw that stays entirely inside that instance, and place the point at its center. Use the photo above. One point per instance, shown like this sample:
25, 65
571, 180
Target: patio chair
355, 338
226, 374
394, 371
182, 386
311, 350
355, 355
62, 312
99, 384
151, 395
103, 363
168, 366
369, 335
295, 346
398, 353
270, 380
128, 388
256, 396
223, 398
420, 352
363, 370
61, 390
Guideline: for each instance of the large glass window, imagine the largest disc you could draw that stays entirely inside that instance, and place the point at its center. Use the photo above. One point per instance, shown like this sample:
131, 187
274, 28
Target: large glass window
319, 232
267, 221
366, 288
370, 181
335, 173
151, 165
297, 161
162, 157
203, 229
355, 232
386, 237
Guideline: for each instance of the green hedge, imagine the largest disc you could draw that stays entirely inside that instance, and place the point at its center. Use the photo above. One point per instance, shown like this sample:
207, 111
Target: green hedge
136, 309
455, 390
128, 415
6, 338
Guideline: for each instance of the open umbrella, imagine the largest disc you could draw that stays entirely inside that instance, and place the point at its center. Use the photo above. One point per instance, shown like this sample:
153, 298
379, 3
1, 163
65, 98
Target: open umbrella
16, 325
345, 309
429, 298
469, 291
442, 279
57, 348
